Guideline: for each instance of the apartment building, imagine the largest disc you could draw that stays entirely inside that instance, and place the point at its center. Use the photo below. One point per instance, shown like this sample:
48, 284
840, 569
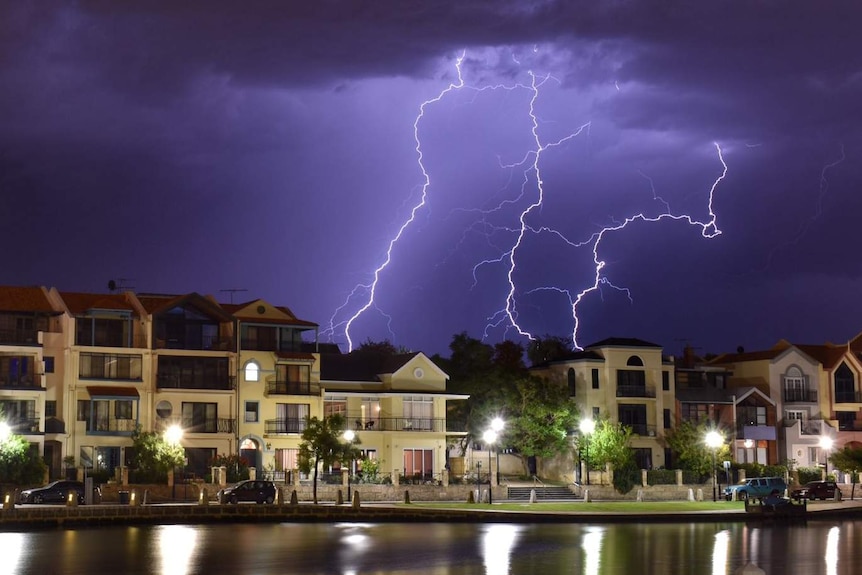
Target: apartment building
628, 381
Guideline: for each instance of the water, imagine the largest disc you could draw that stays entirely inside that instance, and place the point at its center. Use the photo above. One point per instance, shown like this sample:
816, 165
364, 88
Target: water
831, 548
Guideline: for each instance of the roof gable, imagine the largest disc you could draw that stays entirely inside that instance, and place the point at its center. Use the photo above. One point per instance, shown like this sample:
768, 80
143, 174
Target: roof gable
622, 342
29, 299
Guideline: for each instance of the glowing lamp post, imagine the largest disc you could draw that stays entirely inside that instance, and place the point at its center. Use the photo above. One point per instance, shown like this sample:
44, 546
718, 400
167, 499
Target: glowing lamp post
5, 431
497, 426
489, 437
587, 427
349, 436
714, 440
173, 435
826, 443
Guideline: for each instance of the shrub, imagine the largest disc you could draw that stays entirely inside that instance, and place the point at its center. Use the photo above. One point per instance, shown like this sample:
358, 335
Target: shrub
627, 476
807, 474
661, 477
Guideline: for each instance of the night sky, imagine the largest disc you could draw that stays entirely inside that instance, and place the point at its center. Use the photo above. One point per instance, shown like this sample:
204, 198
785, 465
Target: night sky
270, 146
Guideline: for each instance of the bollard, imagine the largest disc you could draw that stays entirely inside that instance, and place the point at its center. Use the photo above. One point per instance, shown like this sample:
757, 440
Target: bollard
339, 498
72, 499
407, 496
356, 500
279, 496
8, 502
470, 497
700, 494
587, 498
204, 498
134, 500
146, 498
533, 496
640, 497
294, 499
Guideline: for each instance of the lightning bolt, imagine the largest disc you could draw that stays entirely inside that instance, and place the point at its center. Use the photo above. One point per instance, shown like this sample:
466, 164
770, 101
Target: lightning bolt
532, 183
370, 288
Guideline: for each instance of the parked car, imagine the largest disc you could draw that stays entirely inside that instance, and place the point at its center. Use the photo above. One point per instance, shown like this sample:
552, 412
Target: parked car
56, 492
755, 487
249, 490
817, 490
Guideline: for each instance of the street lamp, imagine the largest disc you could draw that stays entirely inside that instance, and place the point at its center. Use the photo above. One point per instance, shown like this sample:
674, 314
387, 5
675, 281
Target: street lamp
587, 427
5, 431
714, 440
173, 435
826, 443
489, 437
349, 436
497, 425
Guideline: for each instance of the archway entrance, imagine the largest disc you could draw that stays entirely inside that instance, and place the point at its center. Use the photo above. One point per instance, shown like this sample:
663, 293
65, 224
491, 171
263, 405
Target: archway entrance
249, 449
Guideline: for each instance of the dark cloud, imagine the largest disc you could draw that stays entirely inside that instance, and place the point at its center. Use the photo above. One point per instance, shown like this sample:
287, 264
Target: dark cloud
270, 146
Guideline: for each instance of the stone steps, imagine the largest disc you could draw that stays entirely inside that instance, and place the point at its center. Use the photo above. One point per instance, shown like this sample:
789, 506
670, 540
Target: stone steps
549, 493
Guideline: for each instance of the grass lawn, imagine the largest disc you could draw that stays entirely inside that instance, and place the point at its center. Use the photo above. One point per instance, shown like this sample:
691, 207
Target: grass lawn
596, 507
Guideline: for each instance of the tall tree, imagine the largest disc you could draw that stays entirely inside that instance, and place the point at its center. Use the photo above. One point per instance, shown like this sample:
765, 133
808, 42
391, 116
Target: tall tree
323, 444
154, 455
609, 443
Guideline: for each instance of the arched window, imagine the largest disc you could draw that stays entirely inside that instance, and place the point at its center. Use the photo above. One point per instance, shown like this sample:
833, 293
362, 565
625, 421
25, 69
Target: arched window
252, 371
635, 360
571, 382
845, 385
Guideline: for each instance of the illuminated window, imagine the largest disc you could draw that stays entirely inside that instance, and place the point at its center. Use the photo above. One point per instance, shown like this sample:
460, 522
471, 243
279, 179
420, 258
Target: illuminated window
252, 371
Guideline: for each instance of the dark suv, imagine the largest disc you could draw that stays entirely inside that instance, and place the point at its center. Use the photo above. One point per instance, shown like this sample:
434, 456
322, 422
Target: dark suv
249, 490
817, 490
55, 492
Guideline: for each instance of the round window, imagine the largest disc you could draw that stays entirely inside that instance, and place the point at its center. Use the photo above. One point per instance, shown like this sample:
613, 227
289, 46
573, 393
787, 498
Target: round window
164, 409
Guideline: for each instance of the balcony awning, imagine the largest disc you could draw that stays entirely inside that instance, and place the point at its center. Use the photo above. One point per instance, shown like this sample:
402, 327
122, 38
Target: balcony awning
766, 432
99, 391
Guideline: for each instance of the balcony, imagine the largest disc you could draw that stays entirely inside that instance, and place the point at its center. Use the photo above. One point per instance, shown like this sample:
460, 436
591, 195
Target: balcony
24, 425
641, 429
208, 425
279, 387
111, 426
283, 426
806, 426
172, 381
848, 397
202, 343
432, 424
31, 382
138, 341
799, 395
19, 336
647, 391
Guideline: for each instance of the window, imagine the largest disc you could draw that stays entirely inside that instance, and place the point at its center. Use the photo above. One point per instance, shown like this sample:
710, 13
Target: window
50, 408
84, 410
418, 412
845, 385
252, 371
335, 405
286, 459
290, 417
595, 378
634, 361
665, 381
199, 417
109, 366
633, 416
846, 420
596, 413
419, 463
695, 412
792, 414
571, 380
123, 409
251, 411
49, 364
667, 419
630, 378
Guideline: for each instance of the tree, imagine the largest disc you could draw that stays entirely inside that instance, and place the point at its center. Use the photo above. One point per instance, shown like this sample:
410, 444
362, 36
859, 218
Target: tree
383, 348
687, 441
548, 348
20, 463
155, 456
609, 443
323, 444
539, 420
848, 460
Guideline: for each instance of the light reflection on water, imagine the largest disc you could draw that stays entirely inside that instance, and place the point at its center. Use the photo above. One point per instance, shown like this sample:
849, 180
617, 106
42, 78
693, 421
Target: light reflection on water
437, 548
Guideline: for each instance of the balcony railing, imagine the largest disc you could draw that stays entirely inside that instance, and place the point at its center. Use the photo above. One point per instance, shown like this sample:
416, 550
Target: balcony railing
204, 343
848, 397
292, 388
211, 425
641, 429
23, 425
283, 426
433, 424
136, 341
807, 426
19, 336
171, 381
800, 395
258, 345
111, 426
31, 381
635, 391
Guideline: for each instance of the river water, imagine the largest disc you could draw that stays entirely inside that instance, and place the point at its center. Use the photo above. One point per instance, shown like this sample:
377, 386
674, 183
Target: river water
831, 548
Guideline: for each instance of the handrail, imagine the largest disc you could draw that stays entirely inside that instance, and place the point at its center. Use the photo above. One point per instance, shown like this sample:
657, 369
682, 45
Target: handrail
537, 480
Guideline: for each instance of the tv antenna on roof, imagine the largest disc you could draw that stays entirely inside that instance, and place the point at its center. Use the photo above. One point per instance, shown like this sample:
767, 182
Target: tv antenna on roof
232, 291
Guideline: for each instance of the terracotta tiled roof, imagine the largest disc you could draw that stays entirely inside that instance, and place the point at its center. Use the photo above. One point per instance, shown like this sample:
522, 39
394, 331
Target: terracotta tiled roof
745, 356
827, 355
111, 391
24, 299
79, 303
